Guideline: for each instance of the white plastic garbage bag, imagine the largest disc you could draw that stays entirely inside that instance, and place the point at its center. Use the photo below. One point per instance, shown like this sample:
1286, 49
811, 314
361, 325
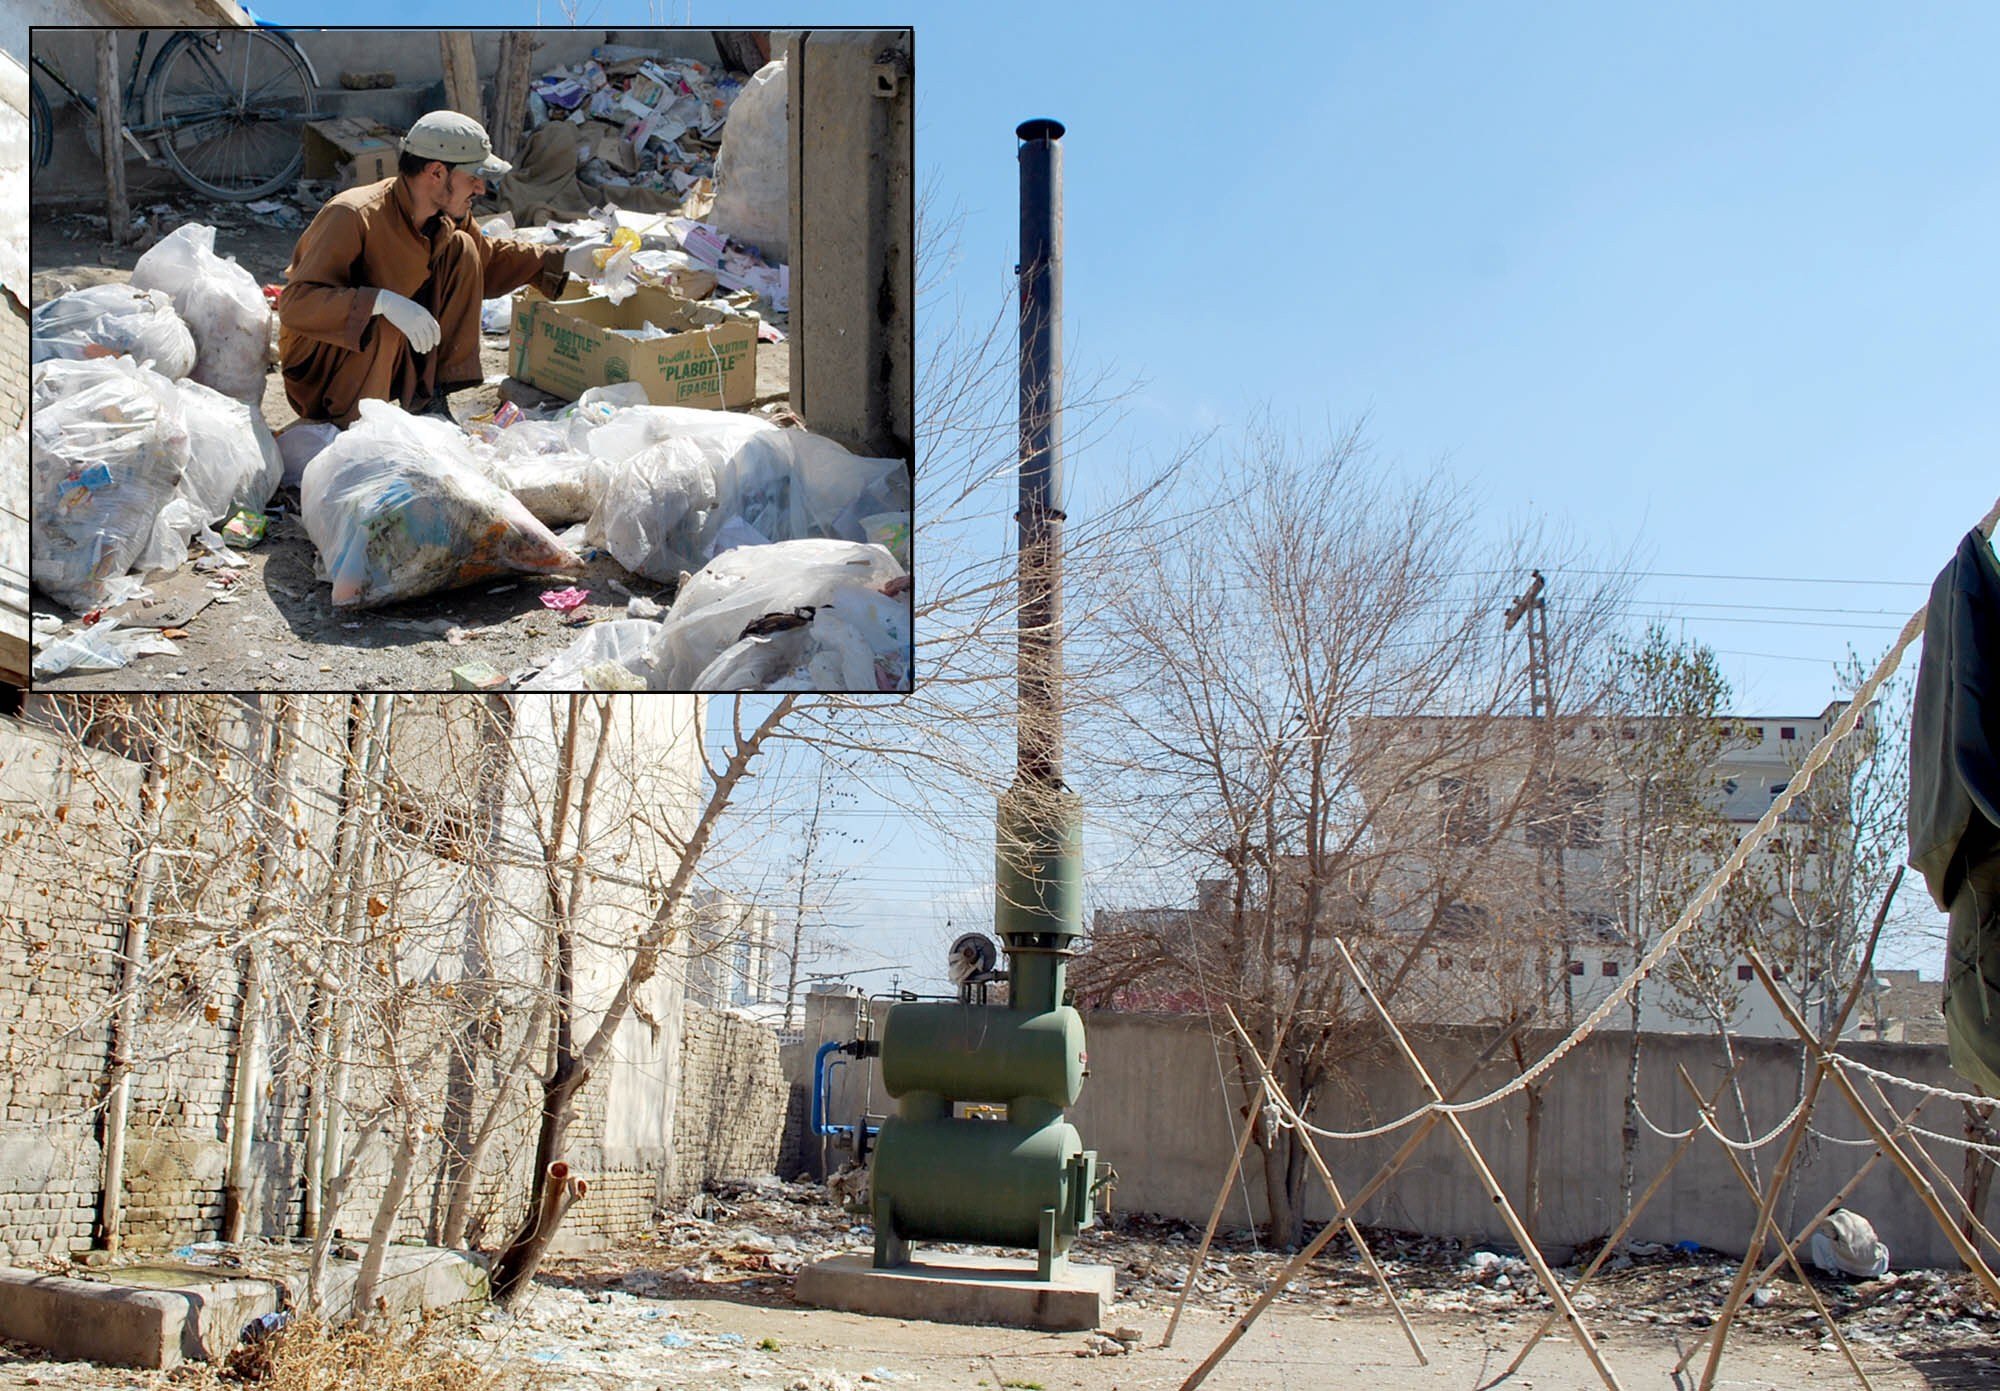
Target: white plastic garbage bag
103, 646
233, 456
393, 514
222, 306
108, 320
299, 443
792, 484
651, 509
233, 462
752, 201
768, 591
606, 656
107, 447
557, 488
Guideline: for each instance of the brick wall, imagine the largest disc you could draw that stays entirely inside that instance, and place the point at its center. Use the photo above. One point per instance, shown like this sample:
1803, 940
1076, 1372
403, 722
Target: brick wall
65, 884
732, 1101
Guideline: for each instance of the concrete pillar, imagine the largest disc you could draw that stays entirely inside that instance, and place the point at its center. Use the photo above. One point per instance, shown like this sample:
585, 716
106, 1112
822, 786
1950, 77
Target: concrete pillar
850, 106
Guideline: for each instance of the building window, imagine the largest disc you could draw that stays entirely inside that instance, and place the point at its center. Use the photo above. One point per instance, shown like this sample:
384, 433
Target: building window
1478, 964
1610, 968
1465, 920
1444, 963
1576, 968
1464, 811
1570, 813
1786, 731
1744, 973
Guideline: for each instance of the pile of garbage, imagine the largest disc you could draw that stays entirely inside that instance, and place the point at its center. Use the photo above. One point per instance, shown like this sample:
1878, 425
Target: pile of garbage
147, 432
646, 120
788, 554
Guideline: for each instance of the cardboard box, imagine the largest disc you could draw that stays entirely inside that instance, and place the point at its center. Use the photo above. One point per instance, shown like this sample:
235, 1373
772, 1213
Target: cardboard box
351, 150
566, 346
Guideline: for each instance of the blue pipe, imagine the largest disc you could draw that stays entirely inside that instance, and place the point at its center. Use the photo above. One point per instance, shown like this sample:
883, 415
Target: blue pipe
821, 1069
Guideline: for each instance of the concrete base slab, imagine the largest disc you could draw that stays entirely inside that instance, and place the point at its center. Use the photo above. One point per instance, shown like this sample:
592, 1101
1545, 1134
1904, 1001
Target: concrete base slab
155, 1323
973, 1289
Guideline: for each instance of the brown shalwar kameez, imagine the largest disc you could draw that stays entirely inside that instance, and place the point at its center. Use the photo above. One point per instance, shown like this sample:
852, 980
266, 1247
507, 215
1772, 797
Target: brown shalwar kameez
336, 354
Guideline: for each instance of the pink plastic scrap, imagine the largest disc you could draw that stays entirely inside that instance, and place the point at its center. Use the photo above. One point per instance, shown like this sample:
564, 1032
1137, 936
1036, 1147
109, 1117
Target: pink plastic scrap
564, 600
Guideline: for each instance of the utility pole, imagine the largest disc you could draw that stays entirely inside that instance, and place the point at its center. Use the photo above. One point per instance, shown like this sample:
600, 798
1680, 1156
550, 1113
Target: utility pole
1533, 605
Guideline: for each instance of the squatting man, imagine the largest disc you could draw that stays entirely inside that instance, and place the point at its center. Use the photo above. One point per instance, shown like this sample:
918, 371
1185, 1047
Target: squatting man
382, 298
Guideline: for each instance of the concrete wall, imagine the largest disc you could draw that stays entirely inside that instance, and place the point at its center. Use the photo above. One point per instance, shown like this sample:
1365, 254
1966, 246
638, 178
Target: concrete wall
413, 56
67, 883
1155, 1109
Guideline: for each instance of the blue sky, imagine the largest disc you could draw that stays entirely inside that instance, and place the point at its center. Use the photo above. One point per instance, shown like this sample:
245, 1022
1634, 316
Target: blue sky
1713, 283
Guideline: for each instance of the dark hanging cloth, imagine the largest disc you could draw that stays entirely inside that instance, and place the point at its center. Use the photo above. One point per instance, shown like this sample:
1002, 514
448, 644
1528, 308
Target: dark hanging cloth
1955, 798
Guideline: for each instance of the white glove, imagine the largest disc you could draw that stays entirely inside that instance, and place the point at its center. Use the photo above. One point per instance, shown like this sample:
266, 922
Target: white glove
415, 321
581, 260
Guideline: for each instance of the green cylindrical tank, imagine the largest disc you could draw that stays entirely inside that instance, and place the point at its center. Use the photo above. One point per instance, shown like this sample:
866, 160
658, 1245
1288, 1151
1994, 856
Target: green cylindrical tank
983, 1053
975, 1180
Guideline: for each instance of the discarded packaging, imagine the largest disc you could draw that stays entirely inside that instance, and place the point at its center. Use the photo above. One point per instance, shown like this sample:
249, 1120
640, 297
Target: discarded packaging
222, 306
103, 646
107, 320
622, 643
566, 346
393, 516
107, 448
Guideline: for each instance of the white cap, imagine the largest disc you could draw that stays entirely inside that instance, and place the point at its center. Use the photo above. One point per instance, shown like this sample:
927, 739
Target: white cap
457, 140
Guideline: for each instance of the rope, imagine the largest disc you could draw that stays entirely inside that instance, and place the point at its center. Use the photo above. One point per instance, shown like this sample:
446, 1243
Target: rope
1815, 760
1911, 1084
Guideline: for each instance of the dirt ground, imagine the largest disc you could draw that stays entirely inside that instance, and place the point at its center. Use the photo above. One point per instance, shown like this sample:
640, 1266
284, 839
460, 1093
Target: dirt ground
274, 627
705, 1300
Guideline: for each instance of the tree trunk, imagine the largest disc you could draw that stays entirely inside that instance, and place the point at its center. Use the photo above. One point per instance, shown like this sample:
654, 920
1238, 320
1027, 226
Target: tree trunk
458, 1175
1628, 1140
517, 1264
131, 1012
1531, 1189
401, 1164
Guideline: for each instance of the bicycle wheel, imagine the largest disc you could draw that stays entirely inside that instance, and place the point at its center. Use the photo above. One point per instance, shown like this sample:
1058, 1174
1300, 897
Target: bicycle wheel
228, 107
41, 136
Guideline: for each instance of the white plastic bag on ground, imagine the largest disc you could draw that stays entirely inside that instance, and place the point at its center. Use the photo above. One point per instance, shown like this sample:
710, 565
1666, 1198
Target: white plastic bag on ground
108, 320
752, 200
792, 484
299, 443
103, 646
233, 456
651, 509
557, 488
624, 645
397, 510
768, 591
222, 306
107, 447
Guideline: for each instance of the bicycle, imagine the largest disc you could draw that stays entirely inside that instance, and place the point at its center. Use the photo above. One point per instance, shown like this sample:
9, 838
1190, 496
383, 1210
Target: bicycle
224, 107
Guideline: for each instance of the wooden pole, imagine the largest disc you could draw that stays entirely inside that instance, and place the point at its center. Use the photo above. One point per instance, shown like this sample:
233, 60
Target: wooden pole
510, 92
1393, 1165
1529, 1251
1739, 1287
1785, 1248
1967, 1252
1269, 1083
1419, 1131
1215, 1213
1625, 1225
1805, 1230
1974, 1228
110, 127
461, 74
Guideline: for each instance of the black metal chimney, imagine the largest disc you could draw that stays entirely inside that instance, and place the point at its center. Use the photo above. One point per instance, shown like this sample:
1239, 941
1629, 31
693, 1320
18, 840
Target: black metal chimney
1040, 666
